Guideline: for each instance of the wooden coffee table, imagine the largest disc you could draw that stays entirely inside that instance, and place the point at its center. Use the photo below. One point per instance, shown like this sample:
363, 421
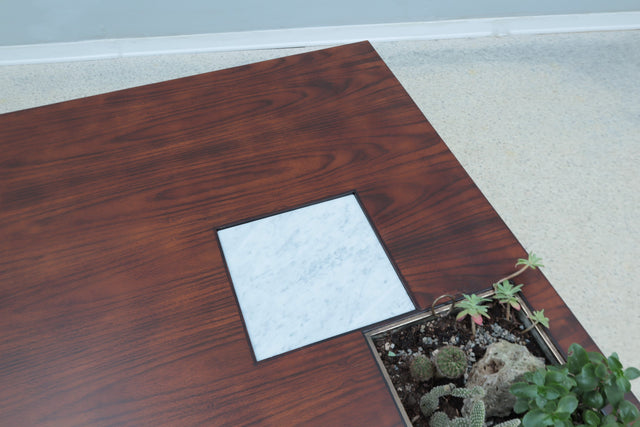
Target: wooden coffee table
116, 307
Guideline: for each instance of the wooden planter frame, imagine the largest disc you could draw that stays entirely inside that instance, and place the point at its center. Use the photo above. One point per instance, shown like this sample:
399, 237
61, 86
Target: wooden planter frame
553, 354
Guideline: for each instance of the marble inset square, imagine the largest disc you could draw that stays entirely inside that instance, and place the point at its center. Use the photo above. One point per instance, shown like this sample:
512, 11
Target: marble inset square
310, 274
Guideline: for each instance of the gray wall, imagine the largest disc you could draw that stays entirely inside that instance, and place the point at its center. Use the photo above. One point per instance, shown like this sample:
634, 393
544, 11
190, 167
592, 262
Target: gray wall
46, 21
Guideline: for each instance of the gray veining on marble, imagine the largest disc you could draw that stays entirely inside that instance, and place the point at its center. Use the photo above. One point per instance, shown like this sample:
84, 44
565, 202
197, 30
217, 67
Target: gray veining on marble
310, 274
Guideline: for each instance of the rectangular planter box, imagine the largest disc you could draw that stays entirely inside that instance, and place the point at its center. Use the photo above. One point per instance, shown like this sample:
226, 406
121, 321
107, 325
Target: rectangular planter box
546, 343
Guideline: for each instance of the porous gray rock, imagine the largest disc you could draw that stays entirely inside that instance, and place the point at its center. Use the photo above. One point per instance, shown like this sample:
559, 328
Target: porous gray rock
503, 364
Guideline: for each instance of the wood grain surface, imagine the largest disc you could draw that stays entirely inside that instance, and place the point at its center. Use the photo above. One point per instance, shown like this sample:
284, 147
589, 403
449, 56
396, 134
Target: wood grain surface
115, 306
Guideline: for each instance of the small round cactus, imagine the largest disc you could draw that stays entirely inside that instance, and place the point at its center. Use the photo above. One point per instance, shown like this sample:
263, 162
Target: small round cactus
421, 368
450, 362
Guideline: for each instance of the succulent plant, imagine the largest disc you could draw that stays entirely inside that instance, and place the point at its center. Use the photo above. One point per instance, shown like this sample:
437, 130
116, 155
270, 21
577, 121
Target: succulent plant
537, 317
472, 305
450, 362
506, 295
421, 368
429, 402
531, 262
476, 418
586, 384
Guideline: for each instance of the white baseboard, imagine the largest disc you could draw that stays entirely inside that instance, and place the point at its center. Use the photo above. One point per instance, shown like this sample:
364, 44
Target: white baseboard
318, 36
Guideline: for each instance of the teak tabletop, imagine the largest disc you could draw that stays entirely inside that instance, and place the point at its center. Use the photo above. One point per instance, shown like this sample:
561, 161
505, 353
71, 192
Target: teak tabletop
115, 304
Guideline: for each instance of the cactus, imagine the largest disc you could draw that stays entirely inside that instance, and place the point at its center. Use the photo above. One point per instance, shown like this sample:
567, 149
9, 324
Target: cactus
421, 368
439, 419
429, 403
477, 414
450, 362
475, 419
476, 392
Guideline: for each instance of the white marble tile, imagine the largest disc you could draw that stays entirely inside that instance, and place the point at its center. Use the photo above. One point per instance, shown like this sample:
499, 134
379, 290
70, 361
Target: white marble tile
310, 274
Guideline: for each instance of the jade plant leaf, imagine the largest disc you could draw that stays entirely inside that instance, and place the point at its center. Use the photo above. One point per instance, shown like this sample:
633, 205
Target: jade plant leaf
520, 406
601, 371
627, 412
567, 405
587, 379
623, 384
537, 418
614, 362
578, 357
591, 417
632, 373
614, 394
593, 399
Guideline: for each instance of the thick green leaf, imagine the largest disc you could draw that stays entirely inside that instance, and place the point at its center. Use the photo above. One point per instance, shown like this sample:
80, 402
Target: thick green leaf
614, 362
610, 421
555, 376
632, 373
567, 404
524, 390
623, 384
549, 393
593, 399
537, 377
627, 412
536, 419
559, 375
577, 358
562, 423
614, 394
560, 389
586, 379
601, 371
538, 402
549, 406
595, 357
522, 405
591, 417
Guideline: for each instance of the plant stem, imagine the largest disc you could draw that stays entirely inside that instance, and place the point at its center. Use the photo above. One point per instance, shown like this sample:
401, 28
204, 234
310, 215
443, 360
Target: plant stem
530, 327
512, 275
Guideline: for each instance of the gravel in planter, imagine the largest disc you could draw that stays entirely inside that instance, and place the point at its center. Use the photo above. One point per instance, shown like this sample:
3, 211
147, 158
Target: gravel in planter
398, 347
